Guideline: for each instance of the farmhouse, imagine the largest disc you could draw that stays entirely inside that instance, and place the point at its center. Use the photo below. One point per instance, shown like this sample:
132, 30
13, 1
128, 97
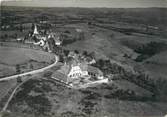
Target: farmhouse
55, 37
75, 71
95, 73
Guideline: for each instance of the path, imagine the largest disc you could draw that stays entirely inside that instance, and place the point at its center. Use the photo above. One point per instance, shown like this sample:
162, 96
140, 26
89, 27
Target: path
10, 98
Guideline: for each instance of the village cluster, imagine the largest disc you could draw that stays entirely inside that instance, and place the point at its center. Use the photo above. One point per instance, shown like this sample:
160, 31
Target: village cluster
43, 40
77, 69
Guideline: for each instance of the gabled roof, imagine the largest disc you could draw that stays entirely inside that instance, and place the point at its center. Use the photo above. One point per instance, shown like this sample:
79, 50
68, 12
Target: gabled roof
94, 70
71, 62
60, 76
65, 69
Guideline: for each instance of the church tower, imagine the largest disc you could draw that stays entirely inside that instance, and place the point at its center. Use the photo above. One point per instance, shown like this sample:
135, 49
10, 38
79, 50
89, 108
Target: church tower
35, 30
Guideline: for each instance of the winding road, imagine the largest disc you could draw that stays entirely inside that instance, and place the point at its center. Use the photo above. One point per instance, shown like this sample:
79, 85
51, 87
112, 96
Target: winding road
31, 72
23, 74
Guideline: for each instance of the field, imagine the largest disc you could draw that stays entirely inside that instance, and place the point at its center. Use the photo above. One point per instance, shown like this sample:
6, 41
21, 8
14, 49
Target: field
5, 88
27, 59
45, 97
115, 45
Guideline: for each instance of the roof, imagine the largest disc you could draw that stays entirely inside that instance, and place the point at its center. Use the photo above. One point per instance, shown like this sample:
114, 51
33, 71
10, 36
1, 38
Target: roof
60, 76
94, 70
83, 66
65, 69
70, 62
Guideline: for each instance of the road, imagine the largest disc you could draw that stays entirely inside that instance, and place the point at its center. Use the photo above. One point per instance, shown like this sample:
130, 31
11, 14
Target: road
23, 74
31, 72
10, 98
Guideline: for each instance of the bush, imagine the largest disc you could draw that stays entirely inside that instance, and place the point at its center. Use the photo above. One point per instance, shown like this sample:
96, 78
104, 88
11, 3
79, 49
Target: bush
160, 92
149, 50
108, 68
47, 74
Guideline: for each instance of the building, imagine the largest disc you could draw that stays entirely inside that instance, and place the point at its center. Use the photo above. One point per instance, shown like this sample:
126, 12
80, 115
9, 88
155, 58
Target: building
95, 73
55, 37
35, 31
46, 41
74, 69
76, 72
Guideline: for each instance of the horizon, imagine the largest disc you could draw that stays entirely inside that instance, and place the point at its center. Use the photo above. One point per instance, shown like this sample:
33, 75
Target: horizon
88, 3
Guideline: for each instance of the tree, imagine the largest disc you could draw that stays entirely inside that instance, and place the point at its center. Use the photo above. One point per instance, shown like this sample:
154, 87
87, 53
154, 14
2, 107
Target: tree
48, 74
85, 53
6, 36
15, 35
18, 69
31, 67
66, 52
76, 51
81, 36
92, 55
33, 26
19, 80
21, 28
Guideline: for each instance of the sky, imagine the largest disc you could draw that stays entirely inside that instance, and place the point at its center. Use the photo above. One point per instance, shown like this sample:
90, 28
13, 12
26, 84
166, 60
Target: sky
87, 3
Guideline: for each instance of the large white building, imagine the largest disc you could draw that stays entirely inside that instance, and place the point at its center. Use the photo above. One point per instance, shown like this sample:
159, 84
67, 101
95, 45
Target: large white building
75, 71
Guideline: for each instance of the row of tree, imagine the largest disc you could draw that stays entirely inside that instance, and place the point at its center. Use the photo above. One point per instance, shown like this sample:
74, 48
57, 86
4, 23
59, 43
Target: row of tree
149, 50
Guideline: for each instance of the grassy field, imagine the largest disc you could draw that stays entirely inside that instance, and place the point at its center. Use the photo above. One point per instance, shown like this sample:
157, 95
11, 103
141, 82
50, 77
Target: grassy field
39, 97
27, 59
115, 45
157, 65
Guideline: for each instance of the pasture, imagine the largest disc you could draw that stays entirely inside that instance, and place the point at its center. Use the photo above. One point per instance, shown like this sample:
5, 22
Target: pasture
27, 59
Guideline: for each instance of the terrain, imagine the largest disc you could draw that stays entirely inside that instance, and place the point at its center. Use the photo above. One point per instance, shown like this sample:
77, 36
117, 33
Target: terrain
130, 44
44, 97
14, 60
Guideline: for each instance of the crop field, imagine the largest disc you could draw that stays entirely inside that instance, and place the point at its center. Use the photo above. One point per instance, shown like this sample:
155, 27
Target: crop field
27, 59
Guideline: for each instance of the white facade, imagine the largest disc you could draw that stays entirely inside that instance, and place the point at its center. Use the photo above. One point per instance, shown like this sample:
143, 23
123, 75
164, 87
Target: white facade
76, 72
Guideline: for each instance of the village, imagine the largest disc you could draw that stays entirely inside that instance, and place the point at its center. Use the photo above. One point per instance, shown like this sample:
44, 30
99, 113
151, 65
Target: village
77, 70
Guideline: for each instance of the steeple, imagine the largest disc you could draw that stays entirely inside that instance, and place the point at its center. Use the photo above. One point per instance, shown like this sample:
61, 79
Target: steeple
35, 30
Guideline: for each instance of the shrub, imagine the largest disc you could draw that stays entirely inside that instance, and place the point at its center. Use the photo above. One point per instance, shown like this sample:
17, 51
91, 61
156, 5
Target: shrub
149, 50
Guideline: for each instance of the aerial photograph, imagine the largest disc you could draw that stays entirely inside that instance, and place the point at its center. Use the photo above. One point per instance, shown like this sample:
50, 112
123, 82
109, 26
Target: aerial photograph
83, 58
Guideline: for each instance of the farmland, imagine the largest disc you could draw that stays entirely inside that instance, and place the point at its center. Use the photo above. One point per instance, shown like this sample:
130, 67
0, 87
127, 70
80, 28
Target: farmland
27, 59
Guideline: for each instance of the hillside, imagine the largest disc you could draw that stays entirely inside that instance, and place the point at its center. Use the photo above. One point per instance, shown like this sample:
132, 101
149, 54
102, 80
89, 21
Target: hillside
40, 97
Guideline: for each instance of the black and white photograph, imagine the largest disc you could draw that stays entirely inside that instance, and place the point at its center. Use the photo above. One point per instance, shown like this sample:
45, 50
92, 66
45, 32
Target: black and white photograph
83, 58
